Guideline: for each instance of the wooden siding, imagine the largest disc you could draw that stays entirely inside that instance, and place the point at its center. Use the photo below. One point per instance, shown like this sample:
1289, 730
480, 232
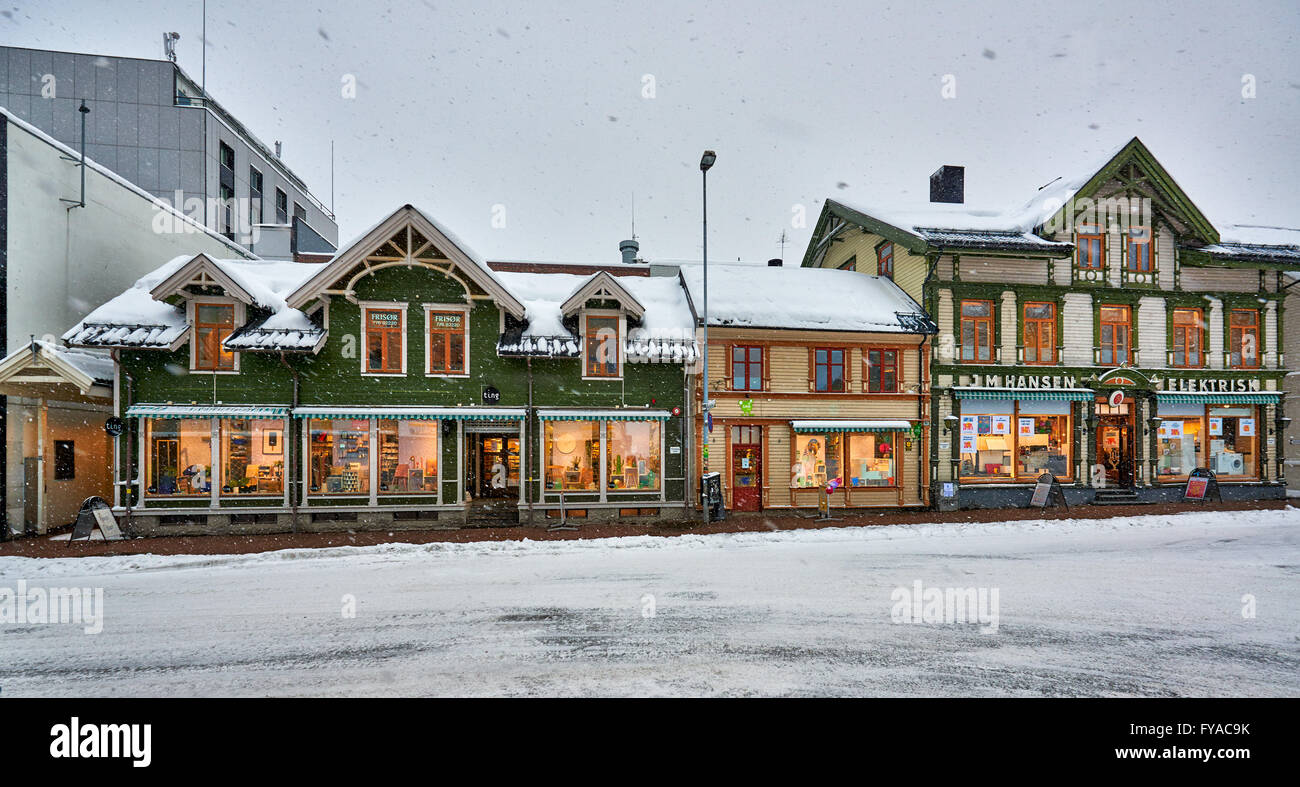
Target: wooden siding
1152, 339
1219, 279
909, 269
1076, 333
1004, 271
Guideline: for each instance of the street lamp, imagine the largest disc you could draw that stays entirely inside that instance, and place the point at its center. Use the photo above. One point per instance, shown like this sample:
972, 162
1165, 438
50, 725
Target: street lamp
706, 161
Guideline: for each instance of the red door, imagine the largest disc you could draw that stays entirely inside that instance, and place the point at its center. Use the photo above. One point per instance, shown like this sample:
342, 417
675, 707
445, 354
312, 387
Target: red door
746, 477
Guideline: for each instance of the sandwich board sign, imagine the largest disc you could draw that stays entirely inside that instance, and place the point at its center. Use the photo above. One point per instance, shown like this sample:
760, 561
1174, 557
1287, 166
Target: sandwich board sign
1201, 483
1048, 489
95, 512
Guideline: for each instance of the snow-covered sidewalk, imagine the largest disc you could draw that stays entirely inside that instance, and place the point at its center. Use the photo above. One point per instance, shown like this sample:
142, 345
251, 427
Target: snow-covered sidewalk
1149, 605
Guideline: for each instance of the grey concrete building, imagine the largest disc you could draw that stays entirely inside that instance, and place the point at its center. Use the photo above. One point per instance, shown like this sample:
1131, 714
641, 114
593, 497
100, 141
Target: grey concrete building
150, 123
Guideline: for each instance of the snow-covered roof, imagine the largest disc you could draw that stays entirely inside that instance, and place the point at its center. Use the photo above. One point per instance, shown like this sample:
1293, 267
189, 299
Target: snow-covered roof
137, 319
665, 329
1259, 243
758, 296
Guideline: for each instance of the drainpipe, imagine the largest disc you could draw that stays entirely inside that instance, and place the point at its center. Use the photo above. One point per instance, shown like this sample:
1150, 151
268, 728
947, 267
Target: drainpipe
130, 441
293, 498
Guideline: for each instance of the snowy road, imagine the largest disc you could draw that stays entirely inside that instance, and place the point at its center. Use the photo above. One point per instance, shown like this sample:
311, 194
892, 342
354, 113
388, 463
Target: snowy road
1145, 606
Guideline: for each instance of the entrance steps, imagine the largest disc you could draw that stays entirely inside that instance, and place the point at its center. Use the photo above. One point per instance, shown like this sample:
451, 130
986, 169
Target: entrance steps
492, 513
1117, 497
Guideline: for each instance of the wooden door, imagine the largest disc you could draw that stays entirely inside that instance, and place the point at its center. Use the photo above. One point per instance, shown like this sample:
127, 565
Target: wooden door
746, 468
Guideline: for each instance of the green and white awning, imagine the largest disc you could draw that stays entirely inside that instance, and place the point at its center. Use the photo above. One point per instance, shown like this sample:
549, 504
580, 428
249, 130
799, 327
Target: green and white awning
1028, 395
412, 413
603, 415
1254, 397
820, 426
207, 411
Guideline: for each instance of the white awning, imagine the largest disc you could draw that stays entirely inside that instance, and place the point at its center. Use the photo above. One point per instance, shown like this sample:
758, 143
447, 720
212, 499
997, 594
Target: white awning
850, 426
208, 411
606, 415
412, 413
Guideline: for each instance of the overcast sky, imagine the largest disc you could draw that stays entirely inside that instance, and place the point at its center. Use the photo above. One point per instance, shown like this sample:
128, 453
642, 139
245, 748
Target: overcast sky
558, 112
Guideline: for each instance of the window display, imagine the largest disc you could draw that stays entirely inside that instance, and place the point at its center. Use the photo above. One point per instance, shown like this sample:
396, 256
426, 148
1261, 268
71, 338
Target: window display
632, 455
252, 457
1221, 437
817, 460
573, 455
1008, 440
1232, 441
1178, 444
871, 458
408, 456
179, 458
340, 456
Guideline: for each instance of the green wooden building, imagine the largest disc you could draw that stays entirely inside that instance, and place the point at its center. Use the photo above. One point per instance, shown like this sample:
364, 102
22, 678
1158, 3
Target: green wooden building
404, 383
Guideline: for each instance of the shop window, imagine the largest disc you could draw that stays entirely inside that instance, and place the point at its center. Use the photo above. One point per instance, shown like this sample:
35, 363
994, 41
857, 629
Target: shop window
65, 460
573, 455
1005, 440
213, 324
1090, 248
1232, 441
1243, 338
1040, 333
1115, 338
882, 371
977, 331
1178, 445
447, 342
871, 460
746, 368
817, 460
252, 456
385, 331
1139, 249
408, 456
602, 350
1187, 337
885, 260
828, 369
178, 457
340, 456
632, 456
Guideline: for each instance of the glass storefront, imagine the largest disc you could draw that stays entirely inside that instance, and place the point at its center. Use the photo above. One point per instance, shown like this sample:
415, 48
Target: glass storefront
1222, 437
340, 456
572, 455
408, 456
1011, 440
252, 457
817, 459
871, 458
178, 459
632, 455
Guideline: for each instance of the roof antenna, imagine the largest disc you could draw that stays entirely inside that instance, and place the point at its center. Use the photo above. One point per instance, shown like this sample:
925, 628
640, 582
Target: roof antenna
634, 215
782, 240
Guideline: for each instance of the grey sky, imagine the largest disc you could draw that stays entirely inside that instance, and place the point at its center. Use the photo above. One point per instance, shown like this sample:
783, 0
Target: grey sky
539, 106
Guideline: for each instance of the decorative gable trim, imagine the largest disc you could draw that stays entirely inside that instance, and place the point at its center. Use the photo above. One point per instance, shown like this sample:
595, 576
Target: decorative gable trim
201, 271
605, 287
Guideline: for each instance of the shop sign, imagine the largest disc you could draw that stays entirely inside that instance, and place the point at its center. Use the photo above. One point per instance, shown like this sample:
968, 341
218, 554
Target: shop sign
1116, 398
1028, 382
491, 395
1209, 385
747, 406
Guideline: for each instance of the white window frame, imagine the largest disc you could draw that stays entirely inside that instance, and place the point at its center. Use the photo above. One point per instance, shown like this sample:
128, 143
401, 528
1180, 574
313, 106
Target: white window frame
365, 306
622, 340
191, 313
428, 345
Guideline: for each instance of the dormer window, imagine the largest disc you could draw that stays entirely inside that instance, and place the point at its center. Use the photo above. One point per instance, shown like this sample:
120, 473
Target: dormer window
603, 355
213, 324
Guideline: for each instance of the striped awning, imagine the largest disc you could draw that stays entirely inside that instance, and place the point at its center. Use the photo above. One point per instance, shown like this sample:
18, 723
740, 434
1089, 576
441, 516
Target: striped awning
850, 426
412, 413
1054, 395
207, 411
1254, 397
603, 415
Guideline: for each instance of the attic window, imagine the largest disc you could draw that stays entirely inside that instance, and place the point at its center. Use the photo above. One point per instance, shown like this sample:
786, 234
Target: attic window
885, 260
1091, 248
1139, 249
213, 324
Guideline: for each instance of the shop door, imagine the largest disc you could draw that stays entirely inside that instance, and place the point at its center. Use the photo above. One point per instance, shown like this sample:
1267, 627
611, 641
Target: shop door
494, 466
1115, 449
747, 470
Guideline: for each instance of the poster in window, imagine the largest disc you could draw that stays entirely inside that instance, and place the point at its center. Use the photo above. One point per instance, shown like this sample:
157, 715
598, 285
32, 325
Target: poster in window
1246, 427
1001, 424
1216, 426
1171, 429
1026, 427
968, 424
272, 441
968, 445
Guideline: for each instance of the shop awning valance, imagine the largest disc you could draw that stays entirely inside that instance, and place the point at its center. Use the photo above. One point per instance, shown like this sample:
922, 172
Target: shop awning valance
413, 413
605, 415
850, 426
207, 411
1030, 395
1254, 397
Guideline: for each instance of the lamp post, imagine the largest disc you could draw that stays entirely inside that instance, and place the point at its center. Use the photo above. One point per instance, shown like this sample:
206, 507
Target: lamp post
706, 161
